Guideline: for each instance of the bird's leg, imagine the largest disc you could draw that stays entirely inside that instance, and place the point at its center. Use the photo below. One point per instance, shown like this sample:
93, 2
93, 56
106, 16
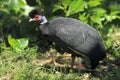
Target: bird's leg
94, 64
79, 64
52, 51
72, 62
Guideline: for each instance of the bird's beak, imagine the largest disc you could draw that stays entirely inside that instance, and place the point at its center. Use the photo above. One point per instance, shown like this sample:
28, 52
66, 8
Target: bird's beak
30, 20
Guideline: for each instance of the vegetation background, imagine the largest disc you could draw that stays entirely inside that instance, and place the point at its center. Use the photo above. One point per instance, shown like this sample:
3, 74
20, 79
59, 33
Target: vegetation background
26, 55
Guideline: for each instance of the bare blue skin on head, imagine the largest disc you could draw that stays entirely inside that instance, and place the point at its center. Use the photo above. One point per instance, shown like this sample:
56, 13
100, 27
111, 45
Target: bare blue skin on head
44, 20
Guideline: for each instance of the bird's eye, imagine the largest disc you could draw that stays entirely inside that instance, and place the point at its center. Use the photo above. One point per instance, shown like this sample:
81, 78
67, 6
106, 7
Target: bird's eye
36, 17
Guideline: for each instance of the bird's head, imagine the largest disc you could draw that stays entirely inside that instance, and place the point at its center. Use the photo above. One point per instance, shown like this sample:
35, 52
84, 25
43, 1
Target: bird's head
35, 15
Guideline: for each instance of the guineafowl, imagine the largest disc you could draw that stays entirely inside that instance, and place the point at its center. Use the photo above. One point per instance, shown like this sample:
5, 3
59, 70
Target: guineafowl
73, 36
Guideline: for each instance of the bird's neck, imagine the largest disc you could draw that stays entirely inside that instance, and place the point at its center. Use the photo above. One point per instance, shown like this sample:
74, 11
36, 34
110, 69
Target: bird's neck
43, 20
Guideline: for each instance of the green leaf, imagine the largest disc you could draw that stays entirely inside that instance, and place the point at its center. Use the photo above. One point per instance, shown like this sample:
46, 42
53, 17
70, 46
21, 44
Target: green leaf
18, 44
98, 11
57, 7
94, 3
112, 16
84, 17
17, 4
3, 6
109, 43
23, 43
65, 3
11, 41
114, 12
76, 6
98, 20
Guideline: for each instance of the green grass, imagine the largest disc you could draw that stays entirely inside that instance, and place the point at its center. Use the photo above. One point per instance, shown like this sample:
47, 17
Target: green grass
23, 66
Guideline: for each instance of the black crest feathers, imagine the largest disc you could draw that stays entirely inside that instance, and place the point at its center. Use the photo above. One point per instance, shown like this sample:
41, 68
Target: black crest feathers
36, 12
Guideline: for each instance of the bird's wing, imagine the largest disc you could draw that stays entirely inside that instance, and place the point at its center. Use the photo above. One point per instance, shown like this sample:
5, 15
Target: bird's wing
82, 39
71, 35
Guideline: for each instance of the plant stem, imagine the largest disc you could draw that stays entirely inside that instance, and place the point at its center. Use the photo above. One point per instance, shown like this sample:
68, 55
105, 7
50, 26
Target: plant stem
2, 37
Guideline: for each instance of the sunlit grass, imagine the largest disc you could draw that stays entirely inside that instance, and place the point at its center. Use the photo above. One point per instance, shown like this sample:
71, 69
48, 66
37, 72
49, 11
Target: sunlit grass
22, 66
